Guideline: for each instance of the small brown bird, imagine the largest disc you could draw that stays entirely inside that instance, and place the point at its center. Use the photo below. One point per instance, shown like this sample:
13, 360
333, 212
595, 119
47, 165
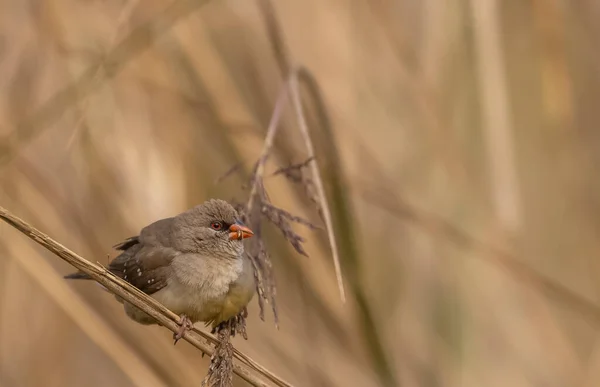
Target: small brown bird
193, 263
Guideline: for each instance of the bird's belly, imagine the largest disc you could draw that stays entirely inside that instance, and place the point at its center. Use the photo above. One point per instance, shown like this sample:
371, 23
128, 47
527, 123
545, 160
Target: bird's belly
233, 304
196, 303
208, 305
239, 294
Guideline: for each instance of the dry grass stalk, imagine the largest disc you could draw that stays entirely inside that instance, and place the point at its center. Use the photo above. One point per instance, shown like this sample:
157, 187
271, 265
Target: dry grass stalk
514, 265
259, 207
497, 118
98, 78
133, 295
300, 75
280, 217
318, 182
220, 372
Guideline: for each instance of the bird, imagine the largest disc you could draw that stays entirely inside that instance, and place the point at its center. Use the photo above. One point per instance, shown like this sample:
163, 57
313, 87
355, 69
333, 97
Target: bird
192, 263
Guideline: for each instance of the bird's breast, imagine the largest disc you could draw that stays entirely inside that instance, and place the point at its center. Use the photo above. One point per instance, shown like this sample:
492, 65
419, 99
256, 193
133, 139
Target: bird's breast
240, 293
204, 288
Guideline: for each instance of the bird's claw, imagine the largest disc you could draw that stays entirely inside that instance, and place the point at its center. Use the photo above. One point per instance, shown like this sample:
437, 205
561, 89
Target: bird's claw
185, 324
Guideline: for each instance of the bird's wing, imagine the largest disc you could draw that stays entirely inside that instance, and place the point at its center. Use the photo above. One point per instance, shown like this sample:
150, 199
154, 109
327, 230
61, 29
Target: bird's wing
127, 243
146, 258
145, 267
157, 233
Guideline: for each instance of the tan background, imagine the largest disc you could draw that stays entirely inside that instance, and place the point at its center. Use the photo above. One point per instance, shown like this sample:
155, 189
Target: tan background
464, 128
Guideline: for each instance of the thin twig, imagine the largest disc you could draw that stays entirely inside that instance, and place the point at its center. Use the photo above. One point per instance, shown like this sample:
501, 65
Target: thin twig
134, 296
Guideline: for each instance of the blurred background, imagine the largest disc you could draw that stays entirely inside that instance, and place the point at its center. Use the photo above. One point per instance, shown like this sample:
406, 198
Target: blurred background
458, 148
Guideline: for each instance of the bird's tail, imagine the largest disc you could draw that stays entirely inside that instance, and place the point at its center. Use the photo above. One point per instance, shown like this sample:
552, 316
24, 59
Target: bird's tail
82, 276
78, 275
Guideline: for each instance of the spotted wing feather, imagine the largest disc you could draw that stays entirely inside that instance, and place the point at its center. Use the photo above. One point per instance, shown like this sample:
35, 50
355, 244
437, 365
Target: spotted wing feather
145, 267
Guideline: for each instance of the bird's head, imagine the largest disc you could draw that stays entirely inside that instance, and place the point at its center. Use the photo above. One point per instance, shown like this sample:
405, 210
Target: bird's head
212, 228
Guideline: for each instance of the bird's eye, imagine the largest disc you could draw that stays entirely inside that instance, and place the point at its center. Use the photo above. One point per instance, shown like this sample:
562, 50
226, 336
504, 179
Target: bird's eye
216, 225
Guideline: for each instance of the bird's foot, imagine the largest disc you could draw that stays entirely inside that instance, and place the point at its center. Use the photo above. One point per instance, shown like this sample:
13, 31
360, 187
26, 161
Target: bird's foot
185, 324
219, 327
236, 324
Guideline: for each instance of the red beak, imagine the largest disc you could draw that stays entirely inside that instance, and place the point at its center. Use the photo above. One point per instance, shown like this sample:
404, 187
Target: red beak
238, 231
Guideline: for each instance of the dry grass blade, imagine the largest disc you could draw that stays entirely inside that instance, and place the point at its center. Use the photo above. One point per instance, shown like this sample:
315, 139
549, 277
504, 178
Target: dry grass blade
131, 294
133, 44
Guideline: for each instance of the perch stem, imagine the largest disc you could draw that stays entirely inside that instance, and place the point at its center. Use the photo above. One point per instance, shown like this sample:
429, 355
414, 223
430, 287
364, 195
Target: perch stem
133, 295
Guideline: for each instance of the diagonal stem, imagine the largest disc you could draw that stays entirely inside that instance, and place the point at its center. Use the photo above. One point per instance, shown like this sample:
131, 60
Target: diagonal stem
134, 296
